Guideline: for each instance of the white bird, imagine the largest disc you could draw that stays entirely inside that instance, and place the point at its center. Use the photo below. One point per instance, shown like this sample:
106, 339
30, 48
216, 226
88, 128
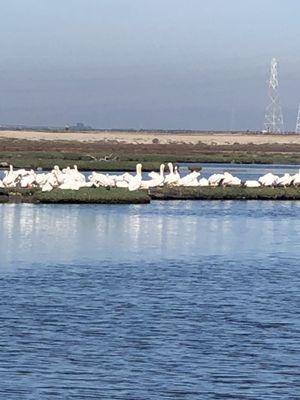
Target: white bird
27, 181
59, 175
252, 184
66, 170
101, 180
157, 180
215, 179
70, 185
41, 179
122, 184
86, 184
285, 180
189, 179
268, 179
193, 183
172, 178
47, 187
135, 182
52, 180
10, 177
127, 177
203, 182
117, 178
77, 176
230, 180
296, 179
155, 175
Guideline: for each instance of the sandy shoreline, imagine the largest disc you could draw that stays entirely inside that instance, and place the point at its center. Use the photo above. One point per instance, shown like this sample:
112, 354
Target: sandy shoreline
217, 139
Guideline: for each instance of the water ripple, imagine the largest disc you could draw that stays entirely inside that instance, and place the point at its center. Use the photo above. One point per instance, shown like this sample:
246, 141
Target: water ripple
103, 313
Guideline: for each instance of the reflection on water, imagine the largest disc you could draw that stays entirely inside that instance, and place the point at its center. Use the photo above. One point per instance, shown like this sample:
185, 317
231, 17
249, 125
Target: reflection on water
172, 300
62, 234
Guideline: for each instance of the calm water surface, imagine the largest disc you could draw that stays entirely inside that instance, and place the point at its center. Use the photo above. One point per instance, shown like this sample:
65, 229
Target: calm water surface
177, 300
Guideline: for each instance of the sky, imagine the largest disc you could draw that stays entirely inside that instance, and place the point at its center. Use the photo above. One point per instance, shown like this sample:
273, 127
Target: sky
166, 64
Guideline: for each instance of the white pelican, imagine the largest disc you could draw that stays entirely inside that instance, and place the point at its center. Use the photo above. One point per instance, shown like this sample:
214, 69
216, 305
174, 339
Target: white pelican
77, 176
47, 187
59, 175
135, 182
268, 179
203, 182
41, 179
252, 184
70, 185
28, 180
189, 179
122, 184
215, 179
101, 179
296, 179
157, 180
10, 177
172, 178
155, 175
285, 180
230, 180
52, 180
176, 172
127, 177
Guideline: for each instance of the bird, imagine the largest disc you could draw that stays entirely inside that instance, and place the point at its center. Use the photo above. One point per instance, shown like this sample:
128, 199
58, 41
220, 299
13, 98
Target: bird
47, 187
154, 174
101, 180
189, 179
252, 184
77, 176
285, 180
59, 175
172, 178
10, 177
203, 182
122, 184
41, 179
268, 179
296, 179
70, 185
136, 181
28, 181
157, 180
230, 180
215, 179
127, 177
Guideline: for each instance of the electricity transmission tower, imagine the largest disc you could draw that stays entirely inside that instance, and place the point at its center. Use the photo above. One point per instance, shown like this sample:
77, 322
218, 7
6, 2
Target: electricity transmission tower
273, 116
298, 121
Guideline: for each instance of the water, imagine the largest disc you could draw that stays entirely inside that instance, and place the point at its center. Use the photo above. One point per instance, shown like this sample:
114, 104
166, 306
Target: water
172, 300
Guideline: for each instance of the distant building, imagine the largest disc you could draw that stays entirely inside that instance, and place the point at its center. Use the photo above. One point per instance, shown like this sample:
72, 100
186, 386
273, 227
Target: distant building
80, 126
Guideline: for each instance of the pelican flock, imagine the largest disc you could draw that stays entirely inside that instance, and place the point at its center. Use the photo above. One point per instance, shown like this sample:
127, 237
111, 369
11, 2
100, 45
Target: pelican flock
72, 179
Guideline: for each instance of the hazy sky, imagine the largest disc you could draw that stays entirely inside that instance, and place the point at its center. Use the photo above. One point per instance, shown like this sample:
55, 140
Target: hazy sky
195, 64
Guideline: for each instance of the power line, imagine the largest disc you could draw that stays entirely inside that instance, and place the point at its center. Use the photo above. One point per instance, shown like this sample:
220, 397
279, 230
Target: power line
273, 115
298, 121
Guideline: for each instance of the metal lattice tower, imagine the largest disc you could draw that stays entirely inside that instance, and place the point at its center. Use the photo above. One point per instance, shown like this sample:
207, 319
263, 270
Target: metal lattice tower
298, 121
273, 116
